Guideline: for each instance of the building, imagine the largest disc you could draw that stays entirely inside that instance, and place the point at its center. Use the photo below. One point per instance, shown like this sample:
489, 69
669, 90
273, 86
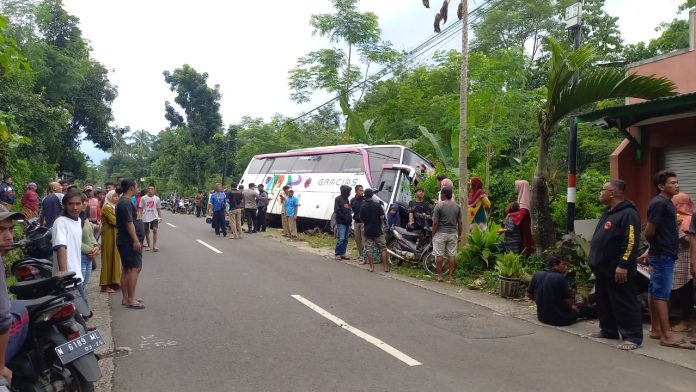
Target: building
661, 133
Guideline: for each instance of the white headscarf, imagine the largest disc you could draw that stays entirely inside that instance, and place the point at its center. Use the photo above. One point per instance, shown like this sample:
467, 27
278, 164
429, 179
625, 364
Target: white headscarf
108, 197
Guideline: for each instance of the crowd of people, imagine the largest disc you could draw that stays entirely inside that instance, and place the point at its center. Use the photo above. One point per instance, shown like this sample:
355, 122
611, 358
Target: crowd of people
614, 256
110, 222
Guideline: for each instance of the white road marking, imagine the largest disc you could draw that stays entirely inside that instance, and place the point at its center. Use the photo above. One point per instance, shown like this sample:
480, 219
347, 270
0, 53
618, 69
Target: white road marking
368, 338
171, 225
208, 246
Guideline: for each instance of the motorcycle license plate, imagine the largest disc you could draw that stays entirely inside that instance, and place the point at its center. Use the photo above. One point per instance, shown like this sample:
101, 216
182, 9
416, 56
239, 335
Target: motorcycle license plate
85, 344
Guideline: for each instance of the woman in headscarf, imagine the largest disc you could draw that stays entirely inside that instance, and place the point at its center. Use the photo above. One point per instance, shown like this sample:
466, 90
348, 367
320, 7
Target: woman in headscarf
479, 205
30, 202
682, 283
110, 276
522, 218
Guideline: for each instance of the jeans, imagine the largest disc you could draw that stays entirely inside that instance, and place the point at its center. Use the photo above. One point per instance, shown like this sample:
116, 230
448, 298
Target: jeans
219, 223
250, 214
341, 239
86, 272
661, 275
261, 219
198, 211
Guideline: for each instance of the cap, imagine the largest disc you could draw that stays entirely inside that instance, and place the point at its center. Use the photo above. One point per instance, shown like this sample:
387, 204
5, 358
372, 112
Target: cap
5, 214
89, 188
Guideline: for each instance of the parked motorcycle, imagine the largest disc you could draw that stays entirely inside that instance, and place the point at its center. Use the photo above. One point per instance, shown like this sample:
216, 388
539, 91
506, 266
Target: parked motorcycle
414, 246
34, 266
58, 353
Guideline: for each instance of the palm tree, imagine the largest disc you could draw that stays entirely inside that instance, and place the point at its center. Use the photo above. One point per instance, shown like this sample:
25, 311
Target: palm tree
562, 98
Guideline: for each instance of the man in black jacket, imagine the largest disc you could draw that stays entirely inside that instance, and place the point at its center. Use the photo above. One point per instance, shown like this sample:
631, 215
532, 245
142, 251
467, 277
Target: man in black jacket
613, 261
355, 204
344, 218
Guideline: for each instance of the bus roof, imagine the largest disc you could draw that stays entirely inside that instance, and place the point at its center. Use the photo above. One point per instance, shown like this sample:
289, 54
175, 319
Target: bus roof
324, 150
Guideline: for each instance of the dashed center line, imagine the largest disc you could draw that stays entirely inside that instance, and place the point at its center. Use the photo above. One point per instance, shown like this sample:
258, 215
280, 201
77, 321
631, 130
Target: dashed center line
208, 246
363, 335
171, 225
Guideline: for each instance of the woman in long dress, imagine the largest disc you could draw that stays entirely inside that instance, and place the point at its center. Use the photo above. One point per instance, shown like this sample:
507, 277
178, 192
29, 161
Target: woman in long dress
682, 283
110, 276
479, 205
522, 218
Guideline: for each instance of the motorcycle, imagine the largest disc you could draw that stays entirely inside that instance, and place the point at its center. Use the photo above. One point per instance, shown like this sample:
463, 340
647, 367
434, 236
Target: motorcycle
58, 353
35, 266
414, 246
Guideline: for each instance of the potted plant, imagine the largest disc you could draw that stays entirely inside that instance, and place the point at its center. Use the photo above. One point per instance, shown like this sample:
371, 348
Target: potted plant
509, 269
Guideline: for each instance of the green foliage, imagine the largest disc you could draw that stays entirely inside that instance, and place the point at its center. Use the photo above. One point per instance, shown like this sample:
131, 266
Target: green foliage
532, 264
675, 35
508, 265
578, 250
481, 250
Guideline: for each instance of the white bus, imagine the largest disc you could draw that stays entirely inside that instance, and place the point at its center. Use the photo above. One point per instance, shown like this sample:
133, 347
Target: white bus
316, 174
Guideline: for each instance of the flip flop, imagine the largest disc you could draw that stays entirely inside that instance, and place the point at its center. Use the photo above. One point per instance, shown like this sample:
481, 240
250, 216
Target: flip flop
136, 306
680, 344
681, 329
155, 250
600, 335
627, 346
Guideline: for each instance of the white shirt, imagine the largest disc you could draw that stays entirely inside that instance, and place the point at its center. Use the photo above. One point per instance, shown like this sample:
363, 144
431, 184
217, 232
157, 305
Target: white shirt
67, 232
149, 205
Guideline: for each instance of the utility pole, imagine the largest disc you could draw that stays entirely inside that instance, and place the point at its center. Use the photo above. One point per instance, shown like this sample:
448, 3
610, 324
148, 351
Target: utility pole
573, 18
463, 95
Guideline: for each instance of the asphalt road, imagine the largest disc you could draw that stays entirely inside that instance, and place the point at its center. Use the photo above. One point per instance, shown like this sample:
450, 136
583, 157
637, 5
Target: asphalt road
229, 322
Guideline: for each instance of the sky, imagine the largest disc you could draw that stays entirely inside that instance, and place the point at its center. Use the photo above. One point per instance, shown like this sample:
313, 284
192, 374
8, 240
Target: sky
248, 47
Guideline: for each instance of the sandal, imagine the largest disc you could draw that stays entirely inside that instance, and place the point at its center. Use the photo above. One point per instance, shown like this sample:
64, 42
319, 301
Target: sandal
155, 249
136, 306
626, 345
680, 328
599, 335
678, 344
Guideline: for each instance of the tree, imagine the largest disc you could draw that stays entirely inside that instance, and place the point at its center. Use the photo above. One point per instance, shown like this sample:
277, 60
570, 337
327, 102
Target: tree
201, 104
334, 69
562, 98
675, 35
688, 4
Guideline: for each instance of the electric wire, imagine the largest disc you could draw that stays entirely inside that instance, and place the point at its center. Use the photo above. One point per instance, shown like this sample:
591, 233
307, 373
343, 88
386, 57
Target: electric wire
437, 39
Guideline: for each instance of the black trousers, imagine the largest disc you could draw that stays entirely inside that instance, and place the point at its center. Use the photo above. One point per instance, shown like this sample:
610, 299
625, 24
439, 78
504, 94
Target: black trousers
250, 214
683, 297
261, 218
618, 309
198, 211
219, 222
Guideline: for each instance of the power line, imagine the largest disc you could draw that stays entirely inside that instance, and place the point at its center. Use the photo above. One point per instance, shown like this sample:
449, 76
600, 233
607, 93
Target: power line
436, 39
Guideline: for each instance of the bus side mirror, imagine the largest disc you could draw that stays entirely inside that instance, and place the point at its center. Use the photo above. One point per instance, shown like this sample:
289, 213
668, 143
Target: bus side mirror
381, 186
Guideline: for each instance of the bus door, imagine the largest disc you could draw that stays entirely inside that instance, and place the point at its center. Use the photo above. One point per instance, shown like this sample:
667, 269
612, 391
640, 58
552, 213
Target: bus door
395, 187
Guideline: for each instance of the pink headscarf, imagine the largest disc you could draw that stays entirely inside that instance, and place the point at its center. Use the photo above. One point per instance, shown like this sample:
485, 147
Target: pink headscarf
685, 209
523, 193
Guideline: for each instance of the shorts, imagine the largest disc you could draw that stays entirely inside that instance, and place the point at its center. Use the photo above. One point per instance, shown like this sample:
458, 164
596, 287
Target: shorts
661, 274
129, 257
379, 242
153, 225
445, 244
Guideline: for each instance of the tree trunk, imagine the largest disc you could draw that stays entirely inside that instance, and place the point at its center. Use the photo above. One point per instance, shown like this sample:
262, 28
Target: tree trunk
463, 153
542, 226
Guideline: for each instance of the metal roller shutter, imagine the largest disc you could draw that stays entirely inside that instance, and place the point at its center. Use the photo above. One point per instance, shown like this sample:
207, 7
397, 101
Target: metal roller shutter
682, 160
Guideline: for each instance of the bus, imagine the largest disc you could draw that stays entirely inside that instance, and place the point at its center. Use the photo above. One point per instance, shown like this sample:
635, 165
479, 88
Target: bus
316, 175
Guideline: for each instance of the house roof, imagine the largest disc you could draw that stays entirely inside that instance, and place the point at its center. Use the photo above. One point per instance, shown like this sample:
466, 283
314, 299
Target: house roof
666, 108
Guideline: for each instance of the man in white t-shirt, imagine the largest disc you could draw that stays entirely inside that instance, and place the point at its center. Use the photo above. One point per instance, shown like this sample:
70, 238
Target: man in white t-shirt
150, 214
67, 235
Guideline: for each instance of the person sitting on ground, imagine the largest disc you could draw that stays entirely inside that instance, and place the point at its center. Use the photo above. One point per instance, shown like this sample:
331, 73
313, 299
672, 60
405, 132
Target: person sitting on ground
511, 228
550, 291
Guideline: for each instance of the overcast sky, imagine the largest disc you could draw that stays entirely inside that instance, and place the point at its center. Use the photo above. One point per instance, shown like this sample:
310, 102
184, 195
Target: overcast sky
248, 47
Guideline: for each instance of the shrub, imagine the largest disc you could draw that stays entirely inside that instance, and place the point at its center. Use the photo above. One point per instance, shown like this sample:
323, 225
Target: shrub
509, 266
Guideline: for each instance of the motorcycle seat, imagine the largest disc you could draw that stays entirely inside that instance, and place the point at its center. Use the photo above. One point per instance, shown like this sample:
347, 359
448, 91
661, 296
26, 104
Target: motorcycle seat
32, 304
34, 288
409, 235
